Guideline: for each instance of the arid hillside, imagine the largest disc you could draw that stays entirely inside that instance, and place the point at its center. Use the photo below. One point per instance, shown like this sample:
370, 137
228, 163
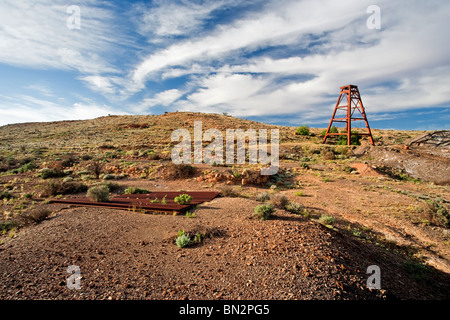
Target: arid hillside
328, 214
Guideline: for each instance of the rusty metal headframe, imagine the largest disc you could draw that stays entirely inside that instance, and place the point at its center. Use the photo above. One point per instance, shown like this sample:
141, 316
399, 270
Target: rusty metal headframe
354, 104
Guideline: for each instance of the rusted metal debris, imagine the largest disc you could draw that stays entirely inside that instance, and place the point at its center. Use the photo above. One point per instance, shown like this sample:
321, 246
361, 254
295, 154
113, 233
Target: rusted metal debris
148, 202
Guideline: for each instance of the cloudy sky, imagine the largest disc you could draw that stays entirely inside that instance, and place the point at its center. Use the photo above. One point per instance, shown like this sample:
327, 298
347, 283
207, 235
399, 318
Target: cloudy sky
278, 61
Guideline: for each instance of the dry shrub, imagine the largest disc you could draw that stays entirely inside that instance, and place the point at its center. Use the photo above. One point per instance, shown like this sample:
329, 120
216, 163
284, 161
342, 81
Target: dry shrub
55, 187
279, 200
227, 191
96, 167
35, 216
179, 171
327, 154
98, 194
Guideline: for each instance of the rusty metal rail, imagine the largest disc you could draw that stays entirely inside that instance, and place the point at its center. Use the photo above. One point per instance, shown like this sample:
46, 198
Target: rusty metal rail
147, 202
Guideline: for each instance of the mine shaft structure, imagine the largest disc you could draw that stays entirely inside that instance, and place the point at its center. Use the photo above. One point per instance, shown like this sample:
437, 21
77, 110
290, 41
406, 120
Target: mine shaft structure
354, 111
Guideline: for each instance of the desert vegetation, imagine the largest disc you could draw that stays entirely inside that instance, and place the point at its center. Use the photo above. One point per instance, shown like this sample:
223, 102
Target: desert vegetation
338, 189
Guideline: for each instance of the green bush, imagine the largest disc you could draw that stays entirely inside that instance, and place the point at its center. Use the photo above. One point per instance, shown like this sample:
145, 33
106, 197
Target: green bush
326, 220
333, 129
439, 211
263, 211
354, 140
98, 194
47, 173
132, 190
183, 199
294, 207
303, 130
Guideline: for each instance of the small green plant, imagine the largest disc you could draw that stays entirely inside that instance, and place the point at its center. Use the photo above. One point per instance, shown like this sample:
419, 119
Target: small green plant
326, 220
132, 190
98, 194
299, 193
183, 239
163, 200
263, 211
190, 214
183, 199
303, 130
197, 238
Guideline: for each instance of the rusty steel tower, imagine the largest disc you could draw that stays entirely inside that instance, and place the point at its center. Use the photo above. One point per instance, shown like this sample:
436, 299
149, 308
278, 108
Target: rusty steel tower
354, 111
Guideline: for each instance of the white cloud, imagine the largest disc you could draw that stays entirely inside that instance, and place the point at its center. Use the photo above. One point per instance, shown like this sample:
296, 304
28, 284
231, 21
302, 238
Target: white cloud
24, 108
164, 98
35, 34
403, 52
174, 18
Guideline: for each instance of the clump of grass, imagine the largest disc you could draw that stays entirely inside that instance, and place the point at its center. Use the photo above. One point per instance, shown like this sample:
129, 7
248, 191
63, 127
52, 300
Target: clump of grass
263, 211
183, 199
98, 194
263, 197
327, 220
299, 193
190, 214
279, 200
133, 190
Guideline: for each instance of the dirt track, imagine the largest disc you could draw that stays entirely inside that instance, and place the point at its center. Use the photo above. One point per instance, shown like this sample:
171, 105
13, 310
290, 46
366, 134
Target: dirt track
130, 255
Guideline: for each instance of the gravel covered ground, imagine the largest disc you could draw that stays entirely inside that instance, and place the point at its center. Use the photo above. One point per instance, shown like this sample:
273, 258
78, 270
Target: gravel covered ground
132, 255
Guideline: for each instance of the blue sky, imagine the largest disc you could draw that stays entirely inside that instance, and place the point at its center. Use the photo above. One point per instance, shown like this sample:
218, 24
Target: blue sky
279, 62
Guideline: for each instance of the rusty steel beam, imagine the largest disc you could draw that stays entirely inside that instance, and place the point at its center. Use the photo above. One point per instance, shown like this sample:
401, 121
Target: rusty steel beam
144, 201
